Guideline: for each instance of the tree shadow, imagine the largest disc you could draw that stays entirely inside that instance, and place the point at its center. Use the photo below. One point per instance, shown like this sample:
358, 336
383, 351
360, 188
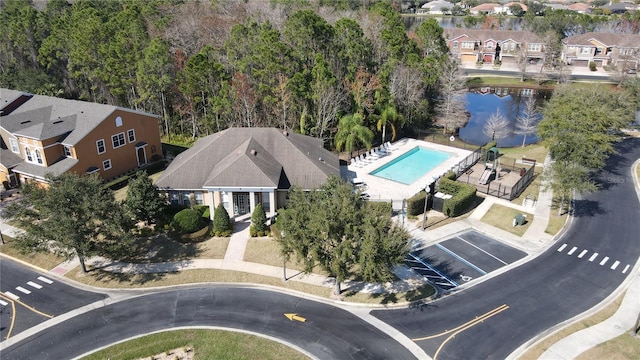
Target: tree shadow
586, 208
161, 248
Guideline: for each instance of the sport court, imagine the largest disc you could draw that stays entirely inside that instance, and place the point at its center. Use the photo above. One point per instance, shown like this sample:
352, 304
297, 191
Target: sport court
461, 258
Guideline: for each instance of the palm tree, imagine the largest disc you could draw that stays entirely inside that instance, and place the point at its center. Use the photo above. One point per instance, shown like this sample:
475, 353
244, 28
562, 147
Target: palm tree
389, 116
351, 131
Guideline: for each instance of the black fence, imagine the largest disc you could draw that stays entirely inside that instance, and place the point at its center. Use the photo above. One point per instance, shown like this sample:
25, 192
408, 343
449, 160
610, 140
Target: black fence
497, 189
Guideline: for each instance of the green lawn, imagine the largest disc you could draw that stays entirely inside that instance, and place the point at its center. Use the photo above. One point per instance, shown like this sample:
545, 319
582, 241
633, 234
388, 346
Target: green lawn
205, 344
46, 261
502, 217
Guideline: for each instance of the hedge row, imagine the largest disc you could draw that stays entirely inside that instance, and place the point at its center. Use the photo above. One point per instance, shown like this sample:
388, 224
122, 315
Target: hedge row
415, 204
463, 197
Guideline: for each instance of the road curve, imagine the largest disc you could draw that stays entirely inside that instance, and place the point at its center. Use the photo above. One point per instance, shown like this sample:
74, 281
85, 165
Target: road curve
328, 332
493, 318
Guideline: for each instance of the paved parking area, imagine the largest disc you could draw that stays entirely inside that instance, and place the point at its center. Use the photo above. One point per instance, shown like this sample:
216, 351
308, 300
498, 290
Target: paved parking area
462, 258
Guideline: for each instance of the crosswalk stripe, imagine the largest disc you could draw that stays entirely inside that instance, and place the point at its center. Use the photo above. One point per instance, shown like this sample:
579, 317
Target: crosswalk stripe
625, 269
593, 257
3, 303
42, 278
604, 261
12, 295
23, 290
32, 284
615, 265
562, 247
582, 254
572, 250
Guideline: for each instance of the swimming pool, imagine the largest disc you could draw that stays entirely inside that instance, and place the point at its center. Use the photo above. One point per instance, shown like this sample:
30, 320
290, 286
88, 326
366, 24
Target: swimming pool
411, 165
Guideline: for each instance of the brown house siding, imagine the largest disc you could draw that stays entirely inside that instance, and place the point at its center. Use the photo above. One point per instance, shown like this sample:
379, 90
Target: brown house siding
123, 158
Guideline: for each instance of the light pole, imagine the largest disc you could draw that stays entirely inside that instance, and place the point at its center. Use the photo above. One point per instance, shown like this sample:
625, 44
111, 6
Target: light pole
284, 258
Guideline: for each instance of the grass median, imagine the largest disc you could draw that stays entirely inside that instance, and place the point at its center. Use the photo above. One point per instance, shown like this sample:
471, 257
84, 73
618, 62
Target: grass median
200, 344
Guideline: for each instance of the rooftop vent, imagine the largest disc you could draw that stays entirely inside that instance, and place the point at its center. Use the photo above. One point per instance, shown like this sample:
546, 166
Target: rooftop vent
254, 152
58, 121
285, 133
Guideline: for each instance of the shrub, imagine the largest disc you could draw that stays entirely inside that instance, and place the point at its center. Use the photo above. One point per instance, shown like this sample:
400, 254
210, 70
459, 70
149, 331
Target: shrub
415, 204
201, 209
221, 222
463, 197
383, 207
259, 219
187, 221
592, 66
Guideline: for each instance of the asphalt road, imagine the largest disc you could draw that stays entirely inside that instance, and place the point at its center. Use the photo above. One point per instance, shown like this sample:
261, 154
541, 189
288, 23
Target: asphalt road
328, 333
492, 319
47, 297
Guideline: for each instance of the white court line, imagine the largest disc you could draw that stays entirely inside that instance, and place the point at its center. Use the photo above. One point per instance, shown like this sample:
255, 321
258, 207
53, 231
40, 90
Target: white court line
23, 290
42, 278
625, 269
615, 265
12, 295
593, 257
572, 250
3, 303
562, 247
32, 284
604, 261
582, 254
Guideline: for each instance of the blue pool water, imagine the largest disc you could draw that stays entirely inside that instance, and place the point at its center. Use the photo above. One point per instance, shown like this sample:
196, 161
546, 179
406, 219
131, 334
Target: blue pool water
411, 165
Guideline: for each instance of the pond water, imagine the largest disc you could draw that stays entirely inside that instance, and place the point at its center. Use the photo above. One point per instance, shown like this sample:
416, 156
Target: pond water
484, 101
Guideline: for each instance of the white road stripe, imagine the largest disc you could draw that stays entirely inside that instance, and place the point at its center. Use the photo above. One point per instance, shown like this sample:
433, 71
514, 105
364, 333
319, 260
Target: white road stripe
625, 269
582, 254
32, 284
593, 257
615, 265
23, 290
3, 303
562, 247
12, 295
572, 250
604, 261
44, 279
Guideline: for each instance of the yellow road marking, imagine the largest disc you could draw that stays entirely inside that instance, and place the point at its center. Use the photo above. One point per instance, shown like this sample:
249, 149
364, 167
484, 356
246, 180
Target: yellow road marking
27, 306
13, 315
293, 316
471, 323
483, 316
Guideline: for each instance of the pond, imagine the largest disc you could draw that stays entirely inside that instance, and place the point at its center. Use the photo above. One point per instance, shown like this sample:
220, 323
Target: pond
484, 101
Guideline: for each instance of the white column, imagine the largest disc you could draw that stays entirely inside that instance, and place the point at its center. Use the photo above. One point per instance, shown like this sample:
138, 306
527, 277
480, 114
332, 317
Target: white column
272, 202
252, 201
230, 211
212, 205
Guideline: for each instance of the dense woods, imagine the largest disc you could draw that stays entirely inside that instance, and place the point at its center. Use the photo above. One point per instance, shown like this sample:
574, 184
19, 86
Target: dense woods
203, 66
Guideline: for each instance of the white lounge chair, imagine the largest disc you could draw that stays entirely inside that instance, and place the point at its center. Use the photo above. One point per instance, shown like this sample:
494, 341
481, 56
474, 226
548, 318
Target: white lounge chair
363, 160
373, 154
381, 151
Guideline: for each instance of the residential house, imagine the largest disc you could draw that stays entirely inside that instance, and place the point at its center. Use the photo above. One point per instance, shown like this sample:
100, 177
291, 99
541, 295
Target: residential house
44, 134
580, 8
604, 49
436, 7
506, 8
486, 46
487, 9
242, 167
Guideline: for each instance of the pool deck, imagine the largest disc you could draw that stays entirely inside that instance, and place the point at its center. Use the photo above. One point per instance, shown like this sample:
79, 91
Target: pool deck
382, 189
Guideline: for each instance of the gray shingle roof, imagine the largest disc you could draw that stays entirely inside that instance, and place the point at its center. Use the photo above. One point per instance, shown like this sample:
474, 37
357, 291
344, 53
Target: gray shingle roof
45, 117
608, 39
8, 159
251, 157
497, 35
56, 169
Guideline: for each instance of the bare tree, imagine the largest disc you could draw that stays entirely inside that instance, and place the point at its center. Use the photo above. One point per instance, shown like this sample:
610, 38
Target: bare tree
523, 61
451, 109
497, 126
407, 89
527, 123
328, 100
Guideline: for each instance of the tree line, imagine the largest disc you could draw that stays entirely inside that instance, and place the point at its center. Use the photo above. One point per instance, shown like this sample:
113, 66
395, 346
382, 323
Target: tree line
204, 66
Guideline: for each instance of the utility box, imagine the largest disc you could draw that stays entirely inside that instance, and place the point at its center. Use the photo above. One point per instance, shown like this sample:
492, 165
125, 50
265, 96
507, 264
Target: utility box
519, 220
